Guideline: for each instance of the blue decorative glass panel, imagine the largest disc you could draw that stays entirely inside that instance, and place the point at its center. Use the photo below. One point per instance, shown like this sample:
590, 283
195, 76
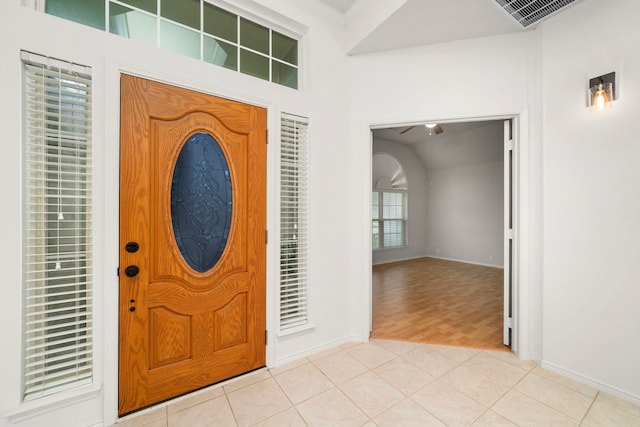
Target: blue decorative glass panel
201, 202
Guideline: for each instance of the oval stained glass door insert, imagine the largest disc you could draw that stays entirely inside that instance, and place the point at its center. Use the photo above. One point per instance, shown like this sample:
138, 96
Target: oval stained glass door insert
201, 202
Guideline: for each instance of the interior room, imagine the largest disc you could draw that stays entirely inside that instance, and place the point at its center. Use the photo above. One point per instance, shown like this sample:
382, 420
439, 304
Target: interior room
187, 216
452, 180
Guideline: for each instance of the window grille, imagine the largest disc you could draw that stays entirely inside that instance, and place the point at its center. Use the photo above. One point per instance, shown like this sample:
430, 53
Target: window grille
57, 265
389, 215
195, 28
294, 199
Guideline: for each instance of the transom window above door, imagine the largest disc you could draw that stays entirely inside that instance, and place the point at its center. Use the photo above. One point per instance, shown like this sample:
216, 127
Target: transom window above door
194, 28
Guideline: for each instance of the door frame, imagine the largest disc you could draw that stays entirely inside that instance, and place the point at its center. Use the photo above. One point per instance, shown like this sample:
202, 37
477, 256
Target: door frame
108, 311
519, 321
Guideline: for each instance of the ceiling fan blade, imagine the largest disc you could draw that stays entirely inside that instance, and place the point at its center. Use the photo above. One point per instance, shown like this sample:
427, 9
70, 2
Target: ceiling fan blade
406, 130
437, 129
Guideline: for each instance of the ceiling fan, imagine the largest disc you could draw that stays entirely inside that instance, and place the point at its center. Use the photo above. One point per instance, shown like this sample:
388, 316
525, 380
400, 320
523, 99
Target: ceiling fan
433, 128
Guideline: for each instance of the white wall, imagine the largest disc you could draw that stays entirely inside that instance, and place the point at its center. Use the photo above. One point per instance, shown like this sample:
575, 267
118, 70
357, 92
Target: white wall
417, 208
465, 214
324, 80
591, 199
465, 195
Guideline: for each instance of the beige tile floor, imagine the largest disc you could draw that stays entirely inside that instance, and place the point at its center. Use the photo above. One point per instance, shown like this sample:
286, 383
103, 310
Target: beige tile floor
394, 383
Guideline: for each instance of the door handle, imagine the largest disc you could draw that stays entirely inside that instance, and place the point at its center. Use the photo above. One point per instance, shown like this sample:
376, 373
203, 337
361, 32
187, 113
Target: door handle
132, 271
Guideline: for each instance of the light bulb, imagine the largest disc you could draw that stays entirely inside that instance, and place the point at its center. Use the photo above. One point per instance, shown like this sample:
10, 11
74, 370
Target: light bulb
430, 126
600, 99
602, 95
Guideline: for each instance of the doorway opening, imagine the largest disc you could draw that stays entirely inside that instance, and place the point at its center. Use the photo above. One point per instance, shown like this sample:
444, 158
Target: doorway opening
452, 283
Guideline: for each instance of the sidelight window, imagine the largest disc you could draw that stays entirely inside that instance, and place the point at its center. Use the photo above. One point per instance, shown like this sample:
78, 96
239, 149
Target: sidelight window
294, 213
57, 265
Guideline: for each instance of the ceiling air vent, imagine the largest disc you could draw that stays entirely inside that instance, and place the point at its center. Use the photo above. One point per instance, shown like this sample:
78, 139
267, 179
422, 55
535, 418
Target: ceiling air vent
529, 12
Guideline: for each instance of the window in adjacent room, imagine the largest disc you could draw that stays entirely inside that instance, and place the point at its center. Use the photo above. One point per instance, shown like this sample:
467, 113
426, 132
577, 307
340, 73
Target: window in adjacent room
389, 219
388, 203
57, 267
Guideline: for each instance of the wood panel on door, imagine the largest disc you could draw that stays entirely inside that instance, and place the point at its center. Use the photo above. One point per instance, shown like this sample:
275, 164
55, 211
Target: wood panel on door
185, 324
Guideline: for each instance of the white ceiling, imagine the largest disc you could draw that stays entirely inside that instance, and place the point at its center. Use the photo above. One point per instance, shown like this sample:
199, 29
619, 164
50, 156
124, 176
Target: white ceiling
379, 25
460, 144
419, 22
420, 133
340, 5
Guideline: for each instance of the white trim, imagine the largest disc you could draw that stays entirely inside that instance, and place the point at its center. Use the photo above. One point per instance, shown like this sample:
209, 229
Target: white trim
464, 261
318, 349
629, 397
262, 15
294, 332
402, 259
50, 403
390, 248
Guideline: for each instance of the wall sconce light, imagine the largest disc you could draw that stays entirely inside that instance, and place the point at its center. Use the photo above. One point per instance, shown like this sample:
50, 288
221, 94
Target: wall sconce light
602, 91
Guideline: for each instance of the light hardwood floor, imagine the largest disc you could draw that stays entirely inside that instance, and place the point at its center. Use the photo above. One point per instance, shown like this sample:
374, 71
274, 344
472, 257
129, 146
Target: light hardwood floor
437, 301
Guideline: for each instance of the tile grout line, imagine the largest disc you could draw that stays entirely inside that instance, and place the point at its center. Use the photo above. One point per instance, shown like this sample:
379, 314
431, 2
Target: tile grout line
593, 402
512, 388
489, 407
293, 405
369, 419
527, 370
434, 378
593, 399
233, 413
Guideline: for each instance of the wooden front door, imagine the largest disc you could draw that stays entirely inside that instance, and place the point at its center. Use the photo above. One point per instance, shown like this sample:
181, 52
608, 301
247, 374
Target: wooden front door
192, 241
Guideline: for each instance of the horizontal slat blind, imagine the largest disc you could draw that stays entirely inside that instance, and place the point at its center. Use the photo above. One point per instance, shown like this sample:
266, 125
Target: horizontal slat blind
57, 276
389, 219
294, 176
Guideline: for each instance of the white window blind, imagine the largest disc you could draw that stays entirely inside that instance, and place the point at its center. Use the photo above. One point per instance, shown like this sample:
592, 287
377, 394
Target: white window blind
294, 188
389, 214
57, 276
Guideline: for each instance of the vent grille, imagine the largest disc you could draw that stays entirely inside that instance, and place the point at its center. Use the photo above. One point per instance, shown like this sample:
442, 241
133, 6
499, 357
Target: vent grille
529, 12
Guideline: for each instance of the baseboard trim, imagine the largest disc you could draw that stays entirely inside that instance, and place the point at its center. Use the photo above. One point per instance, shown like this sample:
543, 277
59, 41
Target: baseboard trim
466, 262
401, 259
442, 258
614, 391
317, 349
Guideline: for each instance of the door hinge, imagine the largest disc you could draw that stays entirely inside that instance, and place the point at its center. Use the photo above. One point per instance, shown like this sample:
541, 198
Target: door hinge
118, 271
509, 145
266, 237
267, 136
508, 322
508, 234
266, 337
